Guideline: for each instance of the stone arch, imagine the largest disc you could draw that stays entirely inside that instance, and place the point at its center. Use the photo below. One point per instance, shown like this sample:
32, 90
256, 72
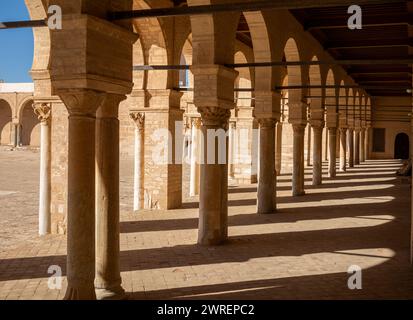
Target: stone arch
5, 122
331, 93
343, 105
41, 57
243, 81
153, 44
264, 79
295, 74
29, 125
316, 101
186, 77
213, 35
357, 103
138, 59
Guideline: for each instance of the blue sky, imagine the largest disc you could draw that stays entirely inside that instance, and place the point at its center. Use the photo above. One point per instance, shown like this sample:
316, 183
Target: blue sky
16, 45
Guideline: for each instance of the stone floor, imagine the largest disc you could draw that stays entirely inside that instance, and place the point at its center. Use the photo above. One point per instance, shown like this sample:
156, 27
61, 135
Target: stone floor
303, 252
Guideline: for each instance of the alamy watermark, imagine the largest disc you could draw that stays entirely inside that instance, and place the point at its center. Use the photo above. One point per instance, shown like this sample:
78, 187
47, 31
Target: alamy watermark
55, 280
355, 281
355, 21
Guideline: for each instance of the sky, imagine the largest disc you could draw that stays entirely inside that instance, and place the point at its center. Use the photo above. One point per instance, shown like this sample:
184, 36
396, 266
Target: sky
16, 45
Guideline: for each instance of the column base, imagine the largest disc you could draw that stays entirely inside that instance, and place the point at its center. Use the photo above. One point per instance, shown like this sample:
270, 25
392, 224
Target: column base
116, 293
299, 194
273, 211
80, 293
208, 242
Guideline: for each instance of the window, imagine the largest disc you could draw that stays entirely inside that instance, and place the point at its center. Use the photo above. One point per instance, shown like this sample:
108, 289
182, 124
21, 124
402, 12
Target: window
379, 140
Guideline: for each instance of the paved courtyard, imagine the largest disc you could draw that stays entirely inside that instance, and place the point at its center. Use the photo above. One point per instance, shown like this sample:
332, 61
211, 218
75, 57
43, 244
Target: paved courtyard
302, 252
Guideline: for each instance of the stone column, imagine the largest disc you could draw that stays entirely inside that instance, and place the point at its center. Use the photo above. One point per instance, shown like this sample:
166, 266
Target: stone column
108, 280
13, 134
367, 143
326, 146
195, 158
357, 147
362, 145
19, 135
278, 150
266, 199
213, 198
350, 142
343, 149
138, 180
298, 160
317, 155
332, 142
82, 105
231, 149
43, 111
309, 146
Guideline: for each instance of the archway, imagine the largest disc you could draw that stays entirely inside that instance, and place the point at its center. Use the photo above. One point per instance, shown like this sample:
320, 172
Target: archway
402, 147
5, 123
30, 126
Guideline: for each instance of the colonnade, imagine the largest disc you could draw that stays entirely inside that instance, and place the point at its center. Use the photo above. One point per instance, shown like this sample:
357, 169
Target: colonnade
92, 102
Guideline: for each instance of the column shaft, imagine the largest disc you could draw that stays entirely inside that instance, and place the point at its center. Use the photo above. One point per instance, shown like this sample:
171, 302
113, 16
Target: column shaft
298, 160
350, 142
44, 196
138, 180
309, 146
357, 147
317, 155
278, 150
43, 113
213, 198
343, 149
82, 106
108, 280
195, 159
362, 146
332, 159
266, 200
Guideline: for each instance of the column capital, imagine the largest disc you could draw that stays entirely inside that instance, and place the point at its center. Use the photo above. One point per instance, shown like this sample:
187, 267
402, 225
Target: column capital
138, 118
267, 123
43, 111
196, 122
316, 123
332, 130
298, 128
317, 128
110, 106
343, 129
82, 101
214, 116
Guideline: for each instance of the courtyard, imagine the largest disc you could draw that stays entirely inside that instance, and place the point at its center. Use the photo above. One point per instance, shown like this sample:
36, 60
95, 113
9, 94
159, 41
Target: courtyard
361, 217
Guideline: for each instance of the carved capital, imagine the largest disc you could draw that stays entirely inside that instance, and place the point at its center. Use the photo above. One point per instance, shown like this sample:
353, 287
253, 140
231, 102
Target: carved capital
42, 111
299, 129
343, 130
197, 123
215, 116
110, 106
318, 129
267, 123
138, 118
82, 102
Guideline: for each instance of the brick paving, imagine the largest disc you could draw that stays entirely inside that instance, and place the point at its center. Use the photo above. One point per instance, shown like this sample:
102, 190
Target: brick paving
362, 218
